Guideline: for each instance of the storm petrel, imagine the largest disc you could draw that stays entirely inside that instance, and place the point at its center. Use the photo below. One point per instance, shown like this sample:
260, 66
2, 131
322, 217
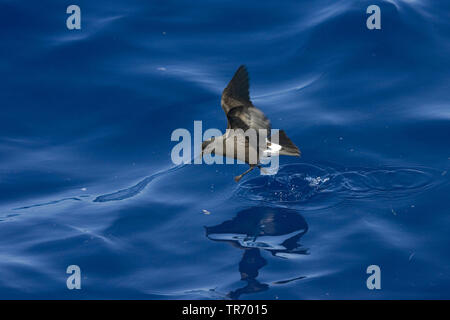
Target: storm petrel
243, 115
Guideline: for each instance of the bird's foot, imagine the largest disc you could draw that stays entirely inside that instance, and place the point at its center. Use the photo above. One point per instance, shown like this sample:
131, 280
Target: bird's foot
238, 178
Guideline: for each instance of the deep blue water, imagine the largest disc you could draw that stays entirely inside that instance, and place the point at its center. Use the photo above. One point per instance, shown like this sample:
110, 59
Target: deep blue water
85, 171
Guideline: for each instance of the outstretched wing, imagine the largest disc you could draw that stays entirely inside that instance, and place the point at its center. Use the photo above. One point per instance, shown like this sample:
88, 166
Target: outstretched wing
237, 91
240, 111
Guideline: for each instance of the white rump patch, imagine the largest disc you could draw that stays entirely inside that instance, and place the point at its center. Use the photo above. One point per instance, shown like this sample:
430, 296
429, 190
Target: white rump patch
273, 149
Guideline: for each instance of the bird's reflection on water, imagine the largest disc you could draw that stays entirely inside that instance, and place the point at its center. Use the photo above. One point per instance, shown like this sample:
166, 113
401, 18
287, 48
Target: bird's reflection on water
276, 230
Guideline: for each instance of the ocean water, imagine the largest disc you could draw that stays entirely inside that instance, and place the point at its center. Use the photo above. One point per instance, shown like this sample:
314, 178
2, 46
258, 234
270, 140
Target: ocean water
86, 176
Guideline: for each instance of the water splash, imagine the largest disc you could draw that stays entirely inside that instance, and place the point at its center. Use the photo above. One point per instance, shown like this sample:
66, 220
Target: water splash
316, 187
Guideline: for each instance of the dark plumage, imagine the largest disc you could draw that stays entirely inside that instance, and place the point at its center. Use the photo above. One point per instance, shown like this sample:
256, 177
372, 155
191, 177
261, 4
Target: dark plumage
242, 114
240, 111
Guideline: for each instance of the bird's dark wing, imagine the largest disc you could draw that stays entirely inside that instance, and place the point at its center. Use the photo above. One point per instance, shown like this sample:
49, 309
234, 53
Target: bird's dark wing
240, 111
243, 117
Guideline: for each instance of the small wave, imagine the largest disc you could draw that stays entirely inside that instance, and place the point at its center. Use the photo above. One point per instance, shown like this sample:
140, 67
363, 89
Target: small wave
48, 203
115, 196
136, 189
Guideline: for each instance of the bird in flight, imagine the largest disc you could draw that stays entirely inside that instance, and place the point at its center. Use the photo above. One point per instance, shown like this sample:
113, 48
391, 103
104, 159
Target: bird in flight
243, 117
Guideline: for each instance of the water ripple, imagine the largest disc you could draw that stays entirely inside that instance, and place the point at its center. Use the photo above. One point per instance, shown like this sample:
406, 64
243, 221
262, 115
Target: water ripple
324, 186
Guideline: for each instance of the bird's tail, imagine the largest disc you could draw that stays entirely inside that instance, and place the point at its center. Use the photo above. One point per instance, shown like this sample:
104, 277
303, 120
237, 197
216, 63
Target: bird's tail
288, 148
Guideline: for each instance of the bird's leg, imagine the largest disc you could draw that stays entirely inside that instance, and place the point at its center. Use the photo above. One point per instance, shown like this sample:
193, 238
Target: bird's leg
239, 177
